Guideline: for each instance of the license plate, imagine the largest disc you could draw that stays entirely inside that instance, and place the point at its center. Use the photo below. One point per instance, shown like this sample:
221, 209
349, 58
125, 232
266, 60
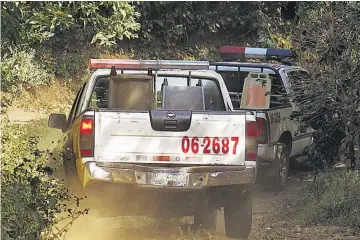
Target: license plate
210, 145
171, 178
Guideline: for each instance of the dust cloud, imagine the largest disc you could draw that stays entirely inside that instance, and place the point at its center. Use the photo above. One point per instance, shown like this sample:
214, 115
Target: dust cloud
95, 226
121, 228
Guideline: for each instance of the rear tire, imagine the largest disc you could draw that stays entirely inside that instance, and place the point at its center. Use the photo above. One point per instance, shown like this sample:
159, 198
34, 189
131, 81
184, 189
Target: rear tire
282, 158
238, 215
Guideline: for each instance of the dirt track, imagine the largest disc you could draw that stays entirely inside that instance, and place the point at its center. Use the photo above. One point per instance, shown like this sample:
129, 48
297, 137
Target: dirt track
20, 115
265, 203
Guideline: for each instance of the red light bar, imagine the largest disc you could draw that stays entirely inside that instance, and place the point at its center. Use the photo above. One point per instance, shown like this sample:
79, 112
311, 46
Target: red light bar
146, 64
232, 49
232, 52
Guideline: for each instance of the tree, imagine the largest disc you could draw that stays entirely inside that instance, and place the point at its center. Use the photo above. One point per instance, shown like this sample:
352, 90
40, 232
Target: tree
328, 42
31, 23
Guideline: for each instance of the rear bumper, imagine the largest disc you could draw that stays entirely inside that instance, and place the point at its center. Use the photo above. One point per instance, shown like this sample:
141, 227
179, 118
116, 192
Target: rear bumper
198, 176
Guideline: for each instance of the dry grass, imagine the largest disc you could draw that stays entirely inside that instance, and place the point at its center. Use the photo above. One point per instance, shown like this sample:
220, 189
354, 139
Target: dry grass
57, 96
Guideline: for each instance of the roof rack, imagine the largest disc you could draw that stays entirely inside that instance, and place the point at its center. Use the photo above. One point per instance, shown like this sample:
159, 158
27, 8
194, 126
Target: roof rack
233, 53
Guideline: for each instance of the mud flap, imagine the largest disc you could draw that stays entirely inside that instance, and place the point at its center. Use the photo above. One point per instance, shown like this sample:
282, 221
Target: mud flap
274, 166
270, 169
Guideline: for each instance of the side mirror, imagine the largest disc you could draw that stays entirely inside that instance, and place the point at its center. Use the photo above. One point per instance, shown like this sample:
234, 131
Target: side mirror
57, 121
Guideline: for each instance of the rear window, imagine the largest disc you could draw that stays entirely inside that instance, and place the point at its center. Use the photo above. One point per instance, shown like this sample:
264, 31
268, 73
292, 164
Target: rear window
234, 81
164, 92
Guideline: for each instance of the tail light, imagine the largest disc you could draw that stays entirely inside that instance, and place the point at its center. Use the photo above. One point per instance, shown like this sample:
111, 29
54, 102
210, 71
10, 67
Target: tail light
87, 137
251, 141
262, 130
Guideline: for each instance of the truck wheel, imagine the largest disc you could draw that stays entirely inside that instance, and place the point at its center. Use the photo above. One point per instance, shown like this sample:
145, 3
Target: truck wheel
283, 160
238, 216
205, 220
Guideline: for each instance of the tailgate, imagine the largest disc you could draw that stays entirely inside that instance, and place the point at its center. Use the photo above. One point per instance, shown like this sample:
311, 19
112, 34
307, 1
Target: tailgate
178, 137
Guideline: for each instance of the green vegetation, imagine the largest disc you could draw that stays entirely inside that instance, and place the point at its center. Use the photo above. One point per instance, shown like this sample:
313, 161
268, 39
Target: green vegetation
42, 40
31, 23
47, 42
327, 41
171, 22
325, 36
21, 71
333, 199
32, 202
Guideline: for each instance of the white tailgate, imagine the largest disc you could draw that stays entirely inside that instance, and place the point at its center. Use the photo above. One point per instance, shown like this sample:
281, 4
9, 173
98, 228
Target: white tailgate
129, 137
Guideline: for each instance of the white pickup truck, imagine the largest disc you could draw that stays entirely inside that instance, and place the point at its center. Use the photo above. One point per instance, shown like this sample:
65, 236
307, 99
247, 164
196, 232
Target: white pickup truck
280, 138
160, 138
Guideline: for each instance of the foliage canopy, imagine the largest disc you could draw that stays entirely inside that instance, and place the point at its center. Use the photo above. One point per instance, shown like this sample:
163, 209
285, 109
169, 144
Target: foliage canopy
29, 23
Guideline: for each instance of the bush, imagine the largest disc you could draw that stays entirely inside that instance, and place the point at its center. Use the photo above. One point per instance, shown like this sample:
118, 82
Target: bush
68, 65
333, 199
32, 201
325, 37
178, 21
328, 44
19, 70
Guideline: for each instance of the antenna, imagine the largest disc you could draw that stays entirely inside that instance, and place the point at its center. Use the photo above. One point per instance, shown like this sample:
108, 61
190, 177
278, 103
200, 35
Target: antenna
113, 71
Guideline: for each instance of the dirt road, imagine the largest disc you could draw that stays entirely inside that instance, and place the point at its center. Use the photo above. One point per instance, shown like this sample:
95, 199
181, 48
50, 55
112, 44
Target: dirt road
265, 203
20, 115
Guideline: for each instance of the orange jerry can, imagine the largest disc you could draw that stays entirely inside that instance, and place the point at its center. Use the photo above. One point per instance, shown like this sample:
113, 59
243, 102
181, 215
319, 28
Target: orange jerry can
256, 91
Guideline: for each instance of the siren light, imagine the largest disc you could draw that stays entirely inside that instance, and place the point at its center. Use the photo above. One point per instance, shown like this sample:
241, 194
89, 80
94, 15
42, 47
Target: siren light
235, 52
147, 64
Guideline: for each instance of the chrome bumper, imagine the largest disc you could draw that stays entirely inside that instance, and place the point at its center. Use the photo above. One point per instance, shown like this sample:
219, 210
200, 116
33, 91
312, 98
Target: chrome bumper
199, 176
